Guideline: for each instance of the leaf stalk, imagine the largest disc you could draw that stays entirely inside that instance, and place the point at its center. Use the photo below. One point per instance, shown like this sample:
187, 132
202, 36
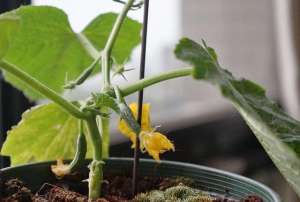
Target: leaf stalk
151, 80
42, 89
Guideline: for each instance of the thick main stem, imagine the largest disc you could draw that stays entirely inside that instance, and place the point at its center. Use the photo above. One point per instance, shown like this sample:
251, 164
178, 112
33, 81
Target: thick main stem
104, 131
106, 66
42, 89
96, 166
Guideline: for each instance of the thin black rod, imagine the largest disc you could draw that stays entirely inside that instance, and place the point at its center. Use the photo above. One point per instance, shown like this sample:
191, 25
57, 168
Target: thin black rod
141, 97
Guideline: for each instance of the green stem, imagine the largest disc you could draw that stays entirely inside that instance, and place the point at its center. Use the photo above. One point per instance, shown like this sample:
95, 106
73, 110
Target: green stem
106, 53
96, 167
105, 70
104, 130
141, 84
96, 172
42, 89
89, 47
81, 149
95, 138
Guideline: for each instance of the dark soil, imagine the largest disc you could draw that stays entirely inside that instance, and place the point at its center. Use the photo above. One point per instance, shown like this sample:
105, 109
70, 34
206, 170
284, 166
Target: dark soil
115, 189
17, 191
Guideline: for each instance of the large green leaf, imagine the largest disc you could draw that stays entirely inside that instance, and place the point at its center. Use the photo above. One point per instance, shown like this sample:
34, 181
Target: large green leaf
40, 41
46, 132
98, 30
277, 132
43, 45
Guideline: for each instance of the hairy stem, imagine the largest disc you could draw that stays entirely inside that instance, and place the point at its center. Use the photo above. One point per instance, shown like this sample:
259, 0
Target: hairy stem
42, 89
104, 130
96, 166
106, 63
141, 84
106, 53
95, 137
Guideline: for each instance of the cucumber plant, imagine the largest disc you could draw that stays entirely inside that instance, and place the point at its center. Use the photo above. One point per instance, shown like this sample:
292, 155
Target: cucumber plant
38, 49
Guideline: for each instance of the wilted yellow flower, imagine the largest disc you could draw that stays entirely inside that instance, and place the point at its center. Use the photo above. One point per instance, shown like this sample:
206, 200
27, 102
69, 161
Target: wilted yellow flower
155, 143
60, 169
151, 141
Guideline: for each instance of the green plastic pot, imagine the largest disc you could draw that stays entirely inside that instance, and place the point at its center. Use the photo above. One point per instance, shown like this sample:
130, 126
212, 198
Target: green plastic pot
208, 179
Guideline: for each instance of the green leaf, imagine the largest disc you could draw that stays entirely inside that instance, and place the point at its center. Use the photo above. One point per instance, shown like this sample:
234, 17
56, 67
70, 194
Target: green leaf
43, 45
40, 41
46, 132
98, 30
278, 133
121, 108
104, 100
11, 23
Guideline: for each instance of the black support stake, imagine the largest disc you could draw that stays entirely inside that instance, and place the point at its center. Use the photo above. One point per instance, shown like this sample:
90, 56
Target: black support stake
140, 97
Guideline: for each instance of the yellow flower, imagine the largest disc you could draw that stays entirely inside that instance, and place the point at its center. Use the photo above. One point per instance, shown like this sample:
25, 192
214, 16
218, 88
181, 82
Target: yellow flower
60, 169
153, 142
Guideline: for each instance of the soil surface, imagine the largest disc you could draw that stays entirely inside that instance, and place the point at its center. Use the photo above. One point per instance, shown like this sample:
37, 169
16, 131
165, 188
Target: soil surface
115, 189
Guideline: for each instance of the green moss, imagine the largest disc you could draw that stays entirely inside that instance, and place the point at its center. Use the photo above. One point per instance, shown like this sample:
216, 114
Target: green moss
179, 193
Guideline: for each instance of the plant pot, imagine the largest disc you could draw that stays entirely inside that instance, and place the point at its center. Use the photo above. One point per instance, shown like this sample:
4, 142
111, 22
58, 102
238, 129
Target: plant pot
208, 179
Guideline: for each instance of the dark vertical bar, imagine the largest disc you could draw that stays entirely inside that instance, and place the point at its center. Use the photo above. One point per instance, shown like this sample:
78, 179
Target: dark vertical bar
4, 160
12, 102
140, 97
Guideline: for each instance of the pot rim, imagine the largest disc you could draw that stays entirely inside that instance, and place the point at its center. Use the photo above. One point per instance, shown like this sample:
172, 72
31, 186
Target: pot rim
272, 193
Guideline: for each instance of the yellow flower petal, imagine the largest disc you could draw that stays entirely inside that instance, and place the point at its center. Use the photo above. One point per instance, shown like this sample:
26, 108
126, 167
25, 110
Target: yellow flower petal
145, 115
146, 122
127, 131
155, 143
60, 169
